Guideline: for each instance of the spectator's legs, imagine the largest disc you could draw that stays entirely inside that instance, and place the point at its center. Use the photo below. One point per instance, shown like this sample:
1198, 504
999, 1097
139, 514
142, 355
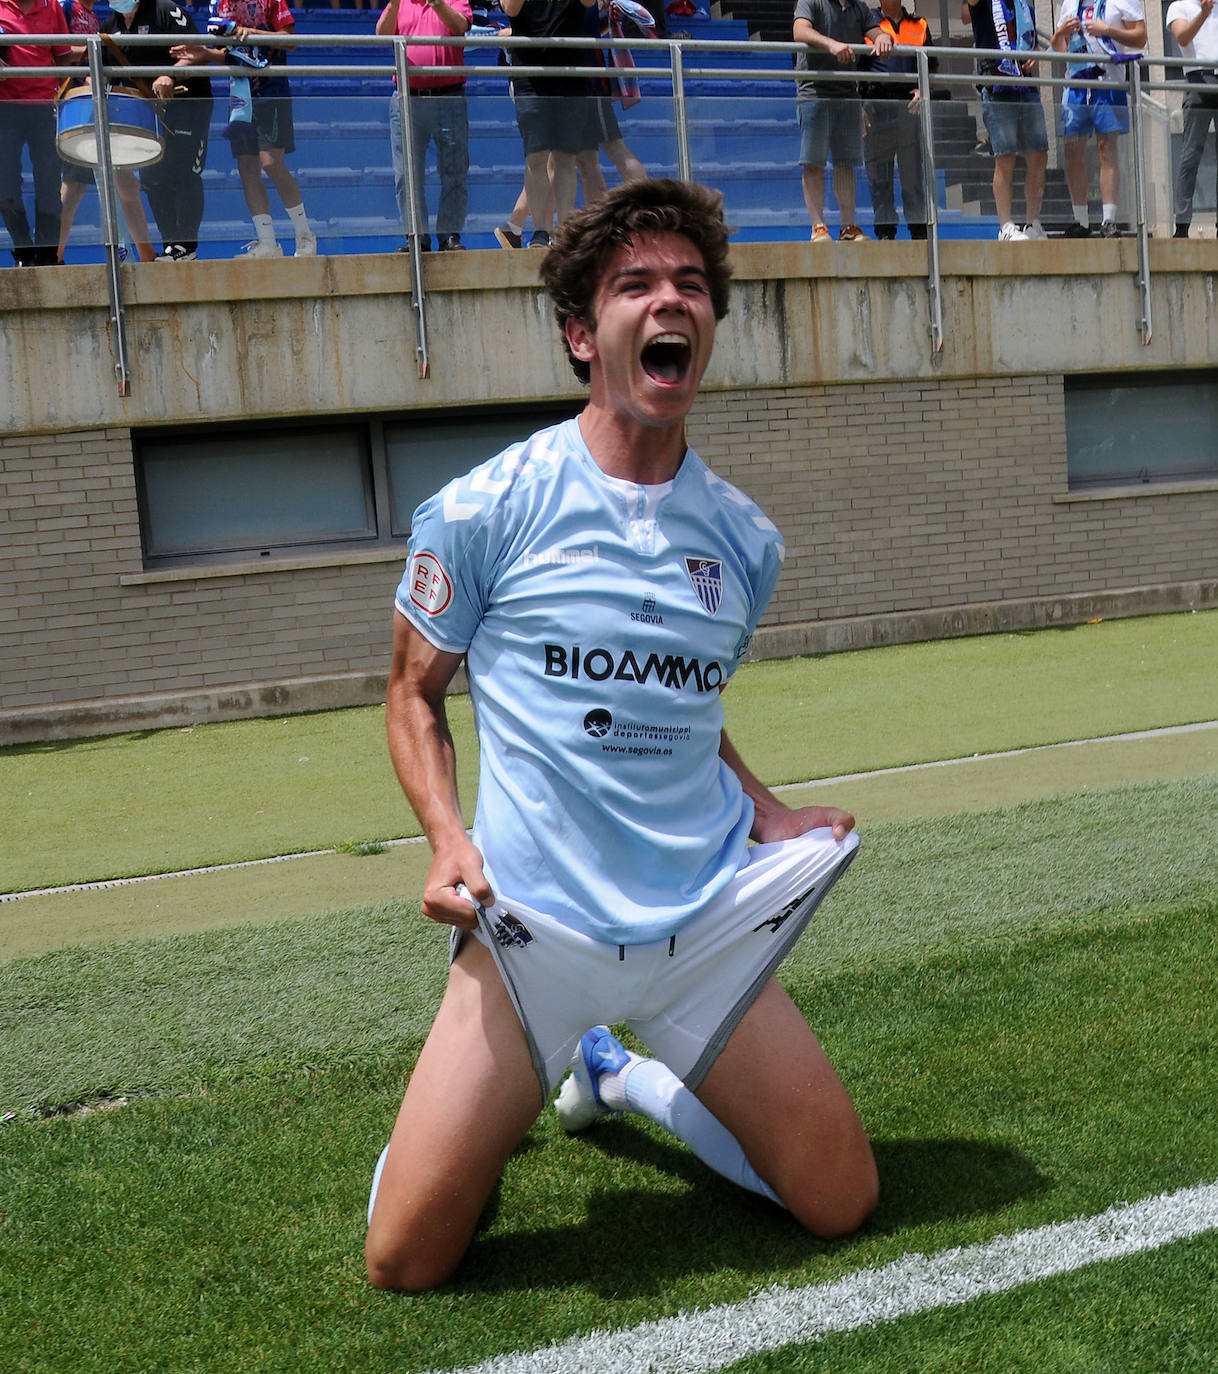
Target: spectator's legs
71, 193
452, 159
280, 177
843, 191
397, 154
1110, 172
127, 185
628, 166
880, 148
249, 169
814, 191
46, 167
591, 178
537, 185
1197, 120
1036, 163
1075, 150
909, 163
1004, 180
422, 127
562, 172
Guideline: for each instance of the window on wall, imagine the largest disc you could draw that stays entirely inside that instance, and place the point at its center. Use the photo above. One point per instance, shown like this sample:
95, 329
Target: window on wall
1154, 431
226, 493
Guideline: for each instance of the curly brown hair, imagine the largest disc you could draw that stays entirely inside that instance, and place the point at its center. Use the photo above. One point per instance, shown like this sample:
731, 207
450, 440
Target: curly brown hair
572, 270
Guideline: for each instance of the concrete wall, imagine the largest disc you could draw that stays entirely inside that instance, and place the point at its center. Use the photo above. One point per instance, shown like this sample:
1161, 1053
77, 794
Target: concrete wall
921, 493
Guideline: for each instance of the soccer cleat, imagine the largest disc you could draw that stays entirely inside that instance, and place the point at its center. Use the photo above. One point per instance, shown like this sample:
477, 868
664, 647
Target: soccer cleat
821, 234
508, 237
851, 233
1011, 233
306, 245
579, 1101
258, 249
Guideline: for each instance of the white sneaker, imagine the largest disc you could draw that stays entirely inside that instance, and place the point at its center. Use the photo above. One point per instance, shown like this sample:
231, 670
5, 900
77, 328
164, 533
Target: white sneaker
258, 249
306, 245
1035, 230
1011, 233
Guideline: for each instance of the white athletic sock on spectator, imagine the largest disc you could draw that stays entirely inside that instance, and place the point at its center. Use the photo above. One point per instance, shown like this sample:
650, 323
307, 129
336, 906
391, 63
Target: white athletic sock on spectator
1110, 213
653, 1090
300, 221
1080, 214
264, 228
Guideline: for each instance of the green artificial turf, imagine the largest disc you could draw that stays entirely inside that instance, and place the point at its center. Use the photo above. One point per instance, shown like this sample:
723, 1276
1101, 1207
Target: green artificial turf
181, 798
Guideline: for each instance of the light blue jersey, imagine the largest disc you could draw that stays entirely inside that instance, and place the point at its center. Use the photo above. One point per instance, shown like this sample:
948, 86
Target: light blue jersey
600, 619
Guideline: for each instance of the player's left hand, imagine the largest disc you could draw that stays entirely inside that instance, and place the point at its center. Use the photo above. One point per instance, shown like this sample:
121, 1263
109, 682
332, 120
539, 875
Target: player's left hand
788, 824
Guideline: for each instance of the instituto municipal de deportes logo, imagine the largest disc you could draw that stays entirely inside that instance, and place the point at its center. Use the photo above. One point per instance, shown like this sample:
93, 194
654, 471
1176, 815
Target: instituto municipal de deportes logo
707, 576
598, 723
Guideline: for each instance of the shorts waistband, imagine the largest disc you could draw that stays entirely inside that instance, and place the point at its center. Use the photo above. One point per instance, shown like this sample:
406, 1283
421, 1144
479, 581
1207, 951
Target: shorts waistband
437, 90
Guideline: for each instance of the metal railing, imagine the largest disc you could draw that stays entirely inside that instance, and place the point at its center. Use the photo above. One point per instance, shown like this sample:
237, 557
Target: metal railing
676, 65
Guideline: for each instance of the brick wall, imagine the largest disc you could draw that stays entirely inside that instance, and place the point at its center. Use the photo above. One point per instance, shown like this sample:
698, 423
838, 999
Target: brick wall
892, 497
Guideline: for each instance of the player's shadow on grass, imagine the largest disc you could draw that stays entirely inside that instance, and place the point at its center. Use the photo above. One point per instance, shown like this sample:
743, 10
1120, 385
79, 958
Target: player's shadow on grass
637, 1240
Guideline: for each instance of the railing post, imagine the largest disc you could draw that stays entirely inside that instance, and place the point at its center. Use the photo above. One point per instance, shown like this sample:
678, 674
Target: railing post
418, 299
1138, 149
685, 166
930, 184
106, 192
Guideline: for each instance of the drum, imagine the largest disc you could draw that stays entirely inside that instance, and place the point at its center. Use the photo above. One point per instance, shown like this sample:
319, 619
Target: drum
135, 133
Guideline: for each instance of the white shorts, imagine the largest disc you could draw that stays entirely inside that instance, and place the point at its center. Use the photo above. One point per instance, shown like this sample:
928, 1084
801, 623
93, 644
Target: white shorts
683, 996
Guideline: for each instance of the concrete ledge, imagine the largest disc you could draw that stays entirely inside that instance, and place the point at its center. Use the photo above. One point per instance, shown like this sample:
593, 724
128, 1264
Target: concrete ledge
119, 715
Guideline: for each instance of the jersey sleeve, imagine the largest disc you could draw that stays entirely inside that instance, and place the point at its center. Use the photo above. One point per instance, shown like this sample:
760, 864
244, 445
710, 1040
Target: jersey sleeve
456, 538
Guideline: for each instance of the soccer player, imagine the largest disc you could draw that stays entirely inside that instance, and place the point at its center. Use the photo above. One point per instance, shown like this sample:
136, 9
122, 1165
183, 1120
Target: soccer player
602, 584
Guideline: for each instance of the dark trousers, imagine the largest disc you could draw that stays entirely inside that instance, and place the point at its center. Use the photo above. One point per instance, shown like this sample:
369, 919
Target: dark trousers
1200, 112
30, 124
174, 186
892, 144
444, 121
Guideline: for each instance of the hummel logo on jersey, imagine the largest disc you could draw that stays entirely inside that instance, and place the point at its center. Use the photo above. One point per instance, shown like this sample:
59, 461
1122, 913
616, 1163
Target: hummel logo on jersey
510, 930
707, 576
776, 923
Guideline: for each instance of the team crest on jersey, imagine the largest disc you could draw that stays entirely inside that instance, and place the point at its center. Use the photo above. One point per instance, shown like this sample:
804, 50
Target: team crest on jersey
706, 574
510, 930
431, 588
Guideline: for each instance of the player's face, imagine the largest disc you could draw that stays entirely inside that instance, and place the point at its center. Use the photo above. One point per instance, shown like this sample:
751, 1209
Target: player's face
653, 330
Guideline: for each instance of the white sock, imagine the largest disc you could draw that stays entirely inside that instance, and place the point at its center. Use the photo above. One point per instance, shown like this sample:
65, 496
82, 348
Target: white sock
1080, 214
300, 221
1110, 213
652, 1089
264, 229
376, 1182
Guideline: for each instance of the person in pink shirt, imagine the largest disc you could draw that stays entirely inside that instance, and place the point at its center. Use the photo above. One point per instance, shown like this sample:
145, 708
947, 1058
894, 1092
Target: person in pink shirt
437, 114
27, 121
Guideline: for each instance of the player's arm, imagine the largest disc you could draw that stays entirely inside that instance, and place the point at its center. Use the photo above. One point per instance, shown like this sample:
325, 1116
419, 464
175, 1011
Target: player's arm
774, 820
424, 758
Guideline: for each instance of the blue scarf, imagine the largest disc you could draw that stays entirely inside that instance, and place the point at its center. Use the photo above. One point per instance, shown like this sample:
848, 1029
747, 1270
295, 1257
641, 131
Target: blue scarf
1103, 48
1016, 13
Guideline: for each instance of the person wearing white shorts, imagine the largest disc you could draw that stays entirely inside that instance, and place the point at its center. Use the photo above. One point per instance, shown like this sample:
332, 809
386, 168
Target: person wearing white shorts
600, 584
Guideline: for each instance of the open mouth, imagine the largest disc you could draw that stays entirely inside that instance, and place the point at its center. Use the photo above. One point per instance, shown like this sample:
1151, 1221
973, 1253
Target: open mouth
666, 358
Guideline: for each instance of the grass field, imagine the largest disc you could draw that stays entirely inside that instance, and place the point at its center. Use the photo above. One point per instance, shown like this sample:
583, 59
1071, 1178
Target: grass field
1019, 990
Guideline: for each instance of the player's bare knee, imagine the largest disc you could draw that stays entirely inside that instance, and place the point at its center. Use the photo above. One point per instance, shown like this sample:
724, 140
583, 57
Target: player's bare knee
400, 1270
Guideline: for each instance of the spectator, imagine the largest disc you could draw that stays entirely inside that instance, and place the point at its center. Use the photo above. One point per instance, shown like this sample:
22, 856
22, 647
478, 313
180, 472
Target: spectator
174, 185
892, 122
27, 121
830, 115
83, 20
1195, 29
550, 110
1013, 115
260, 126
438, 114
1099, 29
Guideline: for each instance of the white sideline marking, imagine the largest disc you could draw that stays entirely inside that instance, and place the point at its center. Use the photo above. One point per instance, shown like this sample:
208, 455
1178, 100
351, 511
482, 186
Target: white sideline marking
107, 883
697, 1342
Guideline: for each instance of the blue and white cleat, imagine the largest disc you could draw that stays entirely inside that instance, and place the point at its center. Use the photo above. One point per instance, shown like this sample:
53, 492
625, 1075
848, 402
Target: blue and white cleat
579, 1102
